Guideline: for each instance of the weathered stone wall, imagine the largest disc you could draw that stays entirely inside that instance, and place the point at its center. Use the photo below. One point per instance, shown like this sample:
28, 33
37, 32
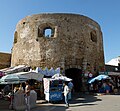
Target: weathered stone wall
76, 42
5, 60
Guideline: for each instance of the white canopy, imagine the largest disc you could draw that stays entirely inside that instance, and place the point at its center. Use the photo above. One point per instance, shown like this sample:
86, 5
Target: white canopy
15, 69
31, 75
61, 77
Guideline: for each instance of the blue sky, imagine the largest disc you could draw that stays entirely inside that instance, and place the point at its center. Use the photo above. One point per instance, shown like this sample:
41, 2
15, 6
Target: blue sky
105, 12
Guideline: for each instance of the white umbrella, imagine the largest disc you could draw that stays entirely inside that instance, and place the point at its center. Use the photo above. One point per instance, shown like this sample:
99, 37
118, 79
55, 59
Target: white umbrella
31, 75
61, 77
66, 78
12, 79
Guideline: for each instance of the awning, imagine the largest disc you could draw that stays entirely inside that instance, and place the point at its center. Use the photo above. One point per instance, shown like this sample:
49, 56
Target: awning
31, 75
114, 73
15, 69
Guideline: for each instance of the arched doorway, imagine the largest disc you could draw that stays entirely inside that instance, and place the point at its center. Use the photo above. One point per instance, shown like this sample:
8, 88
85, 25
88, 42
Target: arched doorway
76, 76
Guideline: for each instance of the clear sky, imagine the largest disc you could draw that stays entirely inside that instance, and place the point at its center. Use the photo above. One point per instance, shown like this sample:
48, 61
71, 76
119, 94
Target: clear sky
105, 12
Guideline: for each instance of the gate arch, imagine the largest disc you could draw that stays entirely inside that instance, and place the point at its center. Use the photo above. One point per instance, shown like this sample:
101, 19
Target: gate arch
76, 75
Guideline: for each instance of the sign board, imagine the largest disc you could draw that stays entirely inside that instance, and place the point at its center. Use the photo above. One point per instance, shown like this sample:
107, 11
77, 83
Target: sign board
90, 74
114, 73
104, 73
46, 85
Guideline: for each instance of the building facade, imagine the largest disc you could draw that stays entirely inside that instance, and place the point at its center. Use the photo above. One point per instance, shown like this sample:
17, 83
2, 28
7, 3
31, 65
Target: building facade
5, 60
70, 41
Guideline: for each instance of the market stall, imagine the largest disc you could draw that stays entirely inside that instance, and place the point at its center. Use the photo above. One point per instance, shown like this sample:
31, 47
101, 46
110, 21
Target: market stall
53, 87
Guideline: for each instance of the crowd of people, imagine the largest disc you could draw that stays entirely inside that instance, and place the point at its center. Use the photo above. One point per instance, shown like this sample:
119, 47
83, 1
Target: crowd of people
104, 86
23, 96
25, 89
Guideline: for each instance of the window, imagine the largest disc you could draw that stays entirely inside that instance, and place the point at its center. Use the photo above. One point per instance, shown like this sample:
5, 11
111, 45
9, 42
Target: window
93, 36
48, 32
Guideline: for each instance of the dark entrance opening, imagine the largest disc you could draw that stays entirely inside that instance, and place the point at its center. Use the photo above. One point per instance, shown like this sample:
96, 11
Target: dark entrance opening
76, 76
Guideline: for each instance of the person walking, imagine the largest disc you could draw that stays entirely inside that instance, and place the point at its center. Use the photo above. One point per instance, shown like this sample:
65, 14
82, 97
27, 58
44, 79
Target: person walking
70, 85
66, 91
27, 95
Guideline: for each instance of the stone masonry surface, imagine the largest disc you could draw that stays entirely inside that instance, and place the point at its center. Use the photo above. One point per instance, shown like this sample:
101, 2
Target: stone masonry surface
75, 42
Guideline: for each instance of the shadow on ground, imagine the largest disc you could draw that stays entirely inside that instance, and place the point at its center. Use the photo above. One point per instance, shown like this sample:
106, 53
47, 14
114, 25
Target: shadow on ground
78, 99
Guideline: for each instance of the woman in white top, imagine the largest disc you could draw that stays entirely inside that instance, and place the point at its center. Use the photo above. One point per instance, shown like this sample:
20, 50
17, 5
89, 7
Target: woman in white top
66, 91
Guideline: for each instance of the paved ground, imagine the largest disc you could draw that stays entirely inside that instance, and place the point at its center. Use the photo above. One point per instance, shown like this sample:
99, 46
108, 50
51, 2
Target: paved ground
80, 103
85, 103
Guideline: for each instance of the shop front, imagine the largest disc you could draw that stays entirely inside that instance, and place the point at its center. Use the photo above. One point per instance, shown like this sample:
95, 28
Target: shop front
53, 89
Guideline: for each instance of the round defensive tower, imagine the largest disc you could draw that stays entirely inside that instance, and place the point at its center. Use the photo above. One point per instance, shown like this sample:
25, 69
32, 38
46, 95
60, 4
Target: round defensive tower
70, 41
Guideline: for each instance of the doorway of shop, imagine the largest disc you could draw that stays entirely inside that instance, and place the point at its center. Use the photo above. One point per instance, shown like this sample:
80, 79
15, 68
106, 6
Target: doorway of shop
76, 75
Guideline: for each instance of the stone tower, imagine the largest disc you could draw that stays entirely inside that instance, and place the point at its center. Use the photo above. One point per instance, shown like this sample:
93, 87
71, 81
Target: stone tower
69, 41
